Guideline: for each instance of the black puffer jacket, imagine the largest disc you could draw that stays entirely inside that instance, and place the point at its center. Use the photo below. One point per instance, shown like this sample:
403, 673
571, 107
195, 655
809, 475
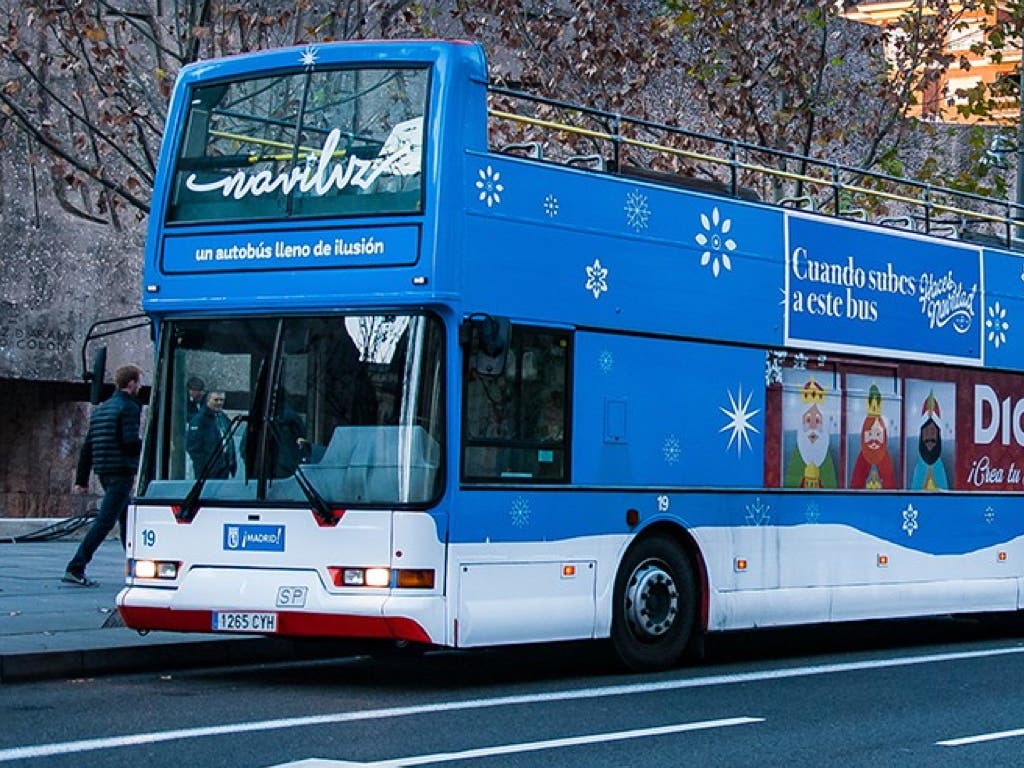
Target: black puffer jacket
112, 445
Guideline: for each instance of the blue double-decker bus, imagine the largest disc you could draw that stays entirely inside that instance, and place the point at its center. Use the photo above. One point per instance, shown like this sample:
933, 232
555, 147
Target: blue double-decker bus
445, 364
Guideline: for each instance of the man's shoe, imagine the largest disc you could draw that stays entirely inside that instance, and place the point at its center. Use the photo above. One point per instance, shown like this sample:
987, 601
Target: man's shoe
80, 580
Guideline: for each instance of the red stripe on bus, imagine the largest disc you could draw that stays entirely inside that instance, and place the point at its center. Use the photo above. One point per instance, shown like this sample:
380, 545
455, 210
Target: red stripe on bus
289, 624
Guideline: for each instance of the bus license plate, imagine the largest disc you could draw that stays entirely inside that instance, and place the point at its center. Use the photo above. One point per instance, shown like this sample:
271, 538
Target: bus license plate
239, 621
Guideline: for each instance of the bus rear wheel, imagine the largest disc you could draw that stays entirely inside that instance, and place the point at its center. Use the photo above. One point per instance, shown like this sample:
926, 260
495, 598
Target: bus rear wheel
655, 605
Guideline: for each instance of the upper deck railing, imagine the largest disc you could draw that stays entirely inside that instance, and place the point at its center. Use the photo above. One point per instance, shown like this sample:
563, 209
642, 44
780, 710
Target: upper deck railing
570, 134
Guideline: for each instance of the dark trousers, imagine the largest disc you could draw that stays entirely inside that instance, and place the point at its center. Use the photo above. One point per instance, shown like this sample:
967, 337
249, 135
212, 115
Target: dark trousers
117, 490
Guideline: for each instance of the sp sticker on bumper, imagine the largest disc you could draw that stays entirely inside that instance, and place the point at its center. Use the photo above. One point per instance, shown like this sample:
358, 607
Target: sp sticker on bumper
291, 597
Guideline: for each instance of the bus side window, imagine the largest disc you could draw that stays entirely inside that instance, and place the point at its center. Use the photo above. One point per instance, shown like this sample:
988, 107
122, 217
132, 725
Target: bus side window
514, 423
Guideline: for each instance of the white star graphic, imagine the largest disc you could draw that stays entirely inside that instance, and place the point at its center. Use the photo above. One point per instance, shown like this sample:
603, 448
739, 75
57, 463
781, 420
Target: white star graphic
308, 56
739, 424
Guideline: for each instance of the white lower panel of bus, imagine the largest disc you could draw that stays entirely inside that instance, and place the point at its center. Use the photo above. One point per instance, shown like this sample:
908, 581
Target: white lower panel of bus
827, 573
519, 593
525, 602
815, 605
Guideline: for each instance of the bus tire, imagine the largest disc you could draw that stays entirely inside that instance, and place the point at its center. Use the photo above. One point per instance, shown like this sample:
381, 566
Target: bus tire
655, 608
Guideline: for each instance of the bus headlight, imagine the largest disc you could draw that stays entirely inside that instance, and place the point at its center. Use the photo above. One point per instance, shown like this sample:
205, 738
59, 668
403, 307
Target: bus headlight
422, 578
378, 577
155, 569
359, 577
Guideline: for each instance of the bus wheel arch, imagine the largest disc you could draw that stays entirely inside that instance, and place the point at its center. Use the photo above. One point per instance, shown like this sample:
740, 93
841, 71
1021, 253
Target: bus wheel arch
659, 609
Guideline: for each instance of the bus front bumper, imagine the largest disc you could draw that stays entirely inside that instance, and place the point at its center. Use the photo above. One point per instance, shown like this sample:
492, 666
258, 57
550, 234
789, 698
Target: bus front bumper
251, 602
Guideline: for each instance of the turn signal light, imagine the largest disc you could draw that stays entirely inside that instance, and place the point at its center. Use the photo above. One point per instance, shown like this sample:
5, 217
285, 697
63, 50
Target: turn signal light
413, 578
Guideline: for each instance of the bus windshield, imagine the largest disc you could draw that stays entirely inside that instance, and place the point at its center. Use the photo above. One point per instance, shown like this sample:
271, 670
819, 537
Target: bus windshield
343, 142
340, 410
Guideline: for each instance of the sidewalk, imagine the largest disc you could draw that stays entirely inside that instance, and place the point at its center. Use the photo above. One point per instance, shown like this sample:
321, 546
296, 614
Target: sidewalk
49, 629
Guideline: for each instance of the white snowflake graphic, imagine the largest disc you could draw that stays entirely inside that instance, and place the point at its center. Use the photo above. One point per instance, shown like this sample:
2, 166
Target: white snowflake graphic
910, 520
551, 206
997, 325
739, 425
597, 279
714, 239
520, 512
812, 513
672, 449
605, 361
637, 212
308, 56
758, 513
990, 515
773, 366
490, 186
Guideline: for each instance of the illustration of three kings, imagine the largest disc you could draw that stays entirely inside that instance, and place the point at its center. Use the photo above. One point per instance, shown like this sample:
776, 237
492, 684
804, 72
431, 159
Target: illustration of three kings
813, 416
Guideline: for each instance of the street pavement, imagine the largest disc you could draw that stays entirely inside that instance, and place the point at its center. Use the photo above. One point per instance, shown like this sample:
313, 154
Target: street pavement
49, 629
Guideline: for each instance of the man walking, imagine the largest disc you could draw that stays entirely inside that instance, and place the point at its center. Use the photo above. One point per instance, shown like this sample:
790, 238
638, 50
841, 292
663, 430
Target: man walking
112, 448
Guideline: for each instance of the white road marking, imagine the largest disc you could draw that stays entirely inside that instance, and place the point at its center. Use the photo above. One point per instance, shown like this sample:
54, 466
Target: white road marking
981, 737
113, 742
526, 746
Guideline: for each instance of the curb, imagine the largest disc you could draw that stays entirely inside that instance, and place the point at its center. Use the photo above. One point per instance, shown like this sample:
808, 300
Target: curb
14, 527
191, 654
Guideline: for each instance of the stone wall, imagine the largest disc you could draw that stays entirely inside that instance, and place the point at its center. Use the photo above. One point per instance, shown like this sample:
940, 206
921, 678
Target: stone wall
39, 440
58, 275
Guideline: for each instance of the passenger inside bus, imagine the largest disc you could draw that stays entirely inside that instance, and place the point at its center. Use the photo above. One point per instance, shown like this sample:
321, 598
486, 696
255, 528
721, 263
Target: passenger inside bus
287, 444
349, 395
206, 431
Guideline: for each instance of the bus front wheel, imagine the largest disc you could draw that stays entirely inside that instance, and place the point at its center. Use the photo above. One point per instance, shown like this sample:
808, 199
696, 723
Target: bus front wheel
655, 605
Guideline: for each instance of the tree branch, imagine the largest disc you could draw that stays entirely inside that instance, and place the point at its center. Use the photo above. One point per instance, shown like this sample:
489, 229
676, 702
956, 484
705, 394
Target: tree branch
90, 127
21, 119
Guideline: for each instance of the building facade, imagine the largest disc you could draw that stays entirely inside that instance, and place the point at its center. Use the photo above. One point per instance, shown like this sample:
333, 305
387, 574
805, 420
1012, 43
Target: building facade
942, 101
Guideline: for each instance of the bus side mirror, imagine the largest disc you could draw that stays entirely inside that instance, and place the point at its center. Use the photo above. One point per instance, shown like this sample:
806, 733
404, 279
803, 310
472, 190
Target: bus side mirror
96, 374
486, 339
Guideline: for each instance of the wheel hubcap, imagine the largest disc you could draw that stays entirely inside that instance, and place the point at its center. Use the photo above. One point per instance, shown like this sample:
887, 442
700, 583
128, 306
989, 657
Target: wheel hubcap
652, 601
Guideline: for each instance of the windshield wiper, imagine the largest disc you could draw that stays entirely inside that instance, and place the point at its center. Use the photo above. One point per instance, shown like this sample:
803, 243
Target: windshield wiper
321, 508
190, 504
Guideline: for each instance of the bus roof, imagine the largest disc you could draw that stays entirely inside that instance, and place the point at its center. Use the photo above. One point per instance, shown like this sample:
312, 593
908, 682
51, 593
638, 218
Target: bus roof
335, 53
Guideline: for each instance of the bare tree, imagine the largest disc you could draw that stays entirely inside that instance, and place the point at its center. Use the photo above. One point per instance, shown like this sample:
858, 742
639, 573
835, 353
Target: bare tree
88, 82
795, 76
607, 51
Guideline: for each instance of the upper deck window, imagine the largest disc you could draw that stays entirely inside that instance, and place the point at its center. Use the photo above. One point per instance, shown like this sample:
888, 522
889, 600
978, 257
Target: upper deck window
342, 142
